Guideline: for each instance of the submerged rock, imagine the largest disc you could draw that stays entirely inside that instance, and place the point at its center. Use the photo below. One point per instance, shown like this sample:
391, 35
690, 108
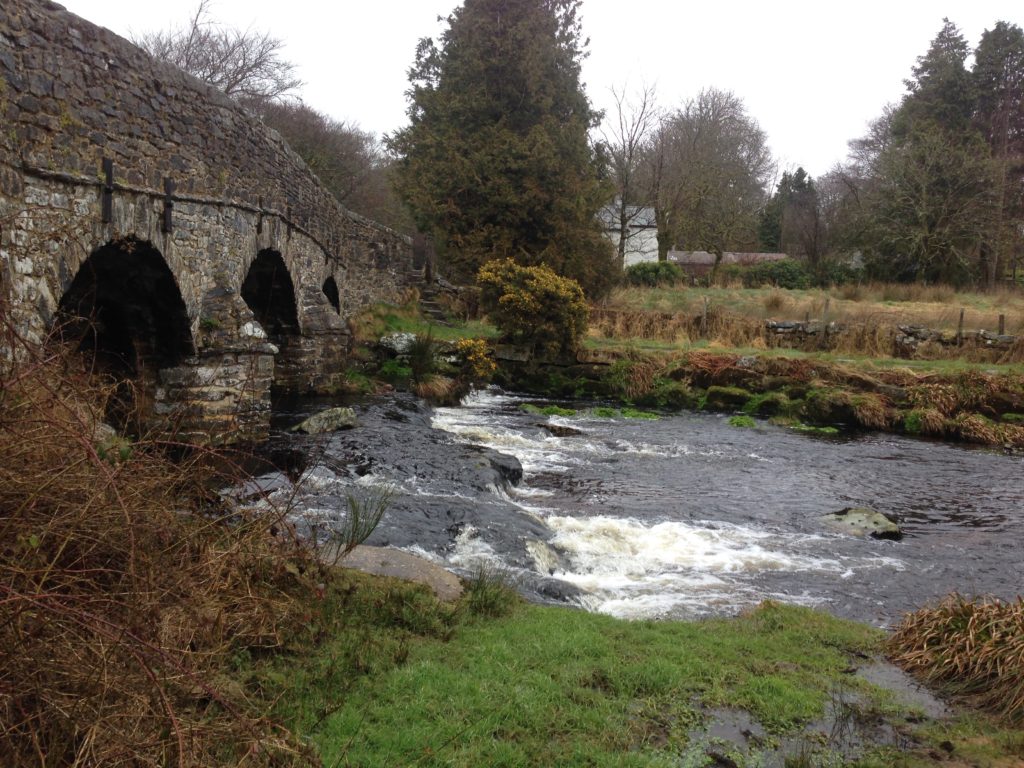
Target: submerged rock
863, 521
561, 431
330, 420
507, 467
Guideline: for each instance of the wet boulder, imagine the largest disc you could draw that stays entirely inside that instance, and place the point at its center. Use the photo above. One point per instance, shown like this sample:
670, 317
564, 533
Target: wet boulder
864, 521
330, 420
559, 430
507, 467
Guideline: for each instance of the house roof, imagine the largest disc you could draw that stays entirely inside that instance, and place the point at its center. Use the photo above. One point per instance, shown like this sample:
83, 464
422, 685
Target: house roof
706, 259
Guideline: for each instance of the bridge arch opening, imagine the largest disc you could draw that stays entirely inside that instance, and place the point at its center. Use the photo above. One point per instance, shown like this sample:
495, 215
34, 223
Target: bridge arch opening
330, 289
270, 294
124, 313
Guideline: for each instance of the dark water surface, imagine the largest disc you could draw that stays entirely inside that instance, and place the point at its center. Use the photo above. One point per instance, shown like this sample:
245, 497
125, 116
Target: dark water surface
684, 516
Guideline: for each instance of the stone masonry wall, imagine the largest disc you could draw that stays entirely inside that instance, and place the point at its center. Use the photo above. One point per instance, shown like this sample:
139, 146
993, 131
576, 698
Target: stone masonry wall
73, 95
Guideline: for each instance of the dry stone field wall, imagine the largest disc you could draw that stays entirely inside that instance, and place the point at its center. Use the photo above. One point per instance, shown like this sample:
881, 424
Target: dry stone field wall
169, 232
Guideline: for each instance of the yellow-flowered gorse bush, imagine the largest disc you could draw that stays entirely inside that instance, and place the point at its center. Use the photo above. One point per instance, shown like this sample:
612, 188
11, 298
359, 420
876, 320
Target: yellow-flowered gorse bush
534, 306
477, 365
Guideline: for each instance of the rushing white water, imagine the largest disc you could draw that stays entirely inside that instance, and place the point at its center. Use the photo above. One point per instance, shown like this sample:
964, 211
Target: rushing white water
638, 568
678, 517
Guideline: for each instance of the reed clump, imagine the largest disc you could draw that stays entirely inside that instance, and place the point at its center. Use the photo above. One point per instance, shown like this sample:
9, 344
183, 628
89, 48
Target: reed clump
970, 647
127, 588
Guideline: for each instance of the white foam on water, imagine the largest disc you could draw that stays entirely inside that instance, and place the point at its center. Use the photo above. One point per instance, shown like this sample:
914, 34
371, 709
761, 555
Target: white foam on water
471, 552
632, 569
536, 451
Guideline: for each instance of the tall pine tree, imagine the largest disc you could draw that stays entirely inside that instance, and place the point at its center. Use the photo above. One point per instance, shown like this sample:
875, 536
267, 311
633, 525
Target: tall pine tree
929, 199
496, 161
999, 82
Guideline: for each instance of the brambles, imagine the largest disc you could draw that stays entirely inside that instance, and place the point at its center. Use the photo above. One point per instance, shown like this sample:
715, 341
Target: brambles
127, 588
654, 273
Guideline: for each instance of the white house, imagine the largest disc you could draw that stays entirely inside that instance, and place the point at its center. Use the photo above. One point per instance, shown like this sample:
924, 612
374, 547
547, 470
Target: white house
641, 235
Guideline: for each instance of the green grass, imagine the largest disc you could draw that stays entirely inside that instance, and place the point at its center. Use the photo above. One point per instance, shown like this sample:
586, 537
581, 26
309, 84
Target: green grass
547, 686
546, 410
381, 319
855, 361
391, 677
633, 413
742, 421
932, 306
810, 429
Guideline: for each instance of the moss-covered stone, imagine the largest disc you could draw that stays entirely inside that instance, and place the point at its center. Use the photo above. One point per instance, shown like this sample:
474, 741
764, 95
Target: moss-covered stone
726, 398
769, 404
670, 394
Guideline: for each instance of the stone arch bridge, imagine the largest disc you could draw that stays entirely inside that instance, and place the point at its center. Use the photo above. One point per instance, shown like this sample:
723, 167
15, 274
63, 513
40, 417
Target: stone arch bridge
170, 233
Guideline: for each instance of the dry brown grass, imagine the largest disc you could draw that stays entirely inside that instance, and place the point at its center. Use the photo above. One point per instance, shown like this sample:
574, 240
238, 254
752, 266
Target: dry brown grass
973, 428
612, 324
1015, 354
869, 339
124, 592
728, 330
440, 390
873, 304
974, 648
929, 422
873, 411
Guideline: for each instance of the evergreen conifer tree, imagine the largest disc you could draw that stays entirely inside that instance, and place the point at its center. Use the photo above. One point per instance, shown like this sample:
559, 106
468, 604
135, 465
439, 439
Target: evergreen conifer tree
496, 160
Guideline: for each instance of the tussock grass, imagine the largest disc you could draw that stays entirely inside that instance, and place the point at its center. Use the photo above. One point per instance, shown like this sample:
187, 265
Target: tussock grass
124, 592
972, 648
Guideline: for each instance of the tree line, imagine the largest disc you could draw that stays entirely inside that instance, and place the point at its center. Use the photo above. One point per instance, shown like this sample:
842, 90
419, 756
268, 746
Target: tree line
503, 155
934, 192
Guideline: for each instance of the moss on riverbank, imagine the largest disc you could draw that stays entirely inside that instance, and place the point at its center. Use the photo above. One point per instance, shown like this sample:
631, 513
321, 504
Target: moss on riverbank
969, 406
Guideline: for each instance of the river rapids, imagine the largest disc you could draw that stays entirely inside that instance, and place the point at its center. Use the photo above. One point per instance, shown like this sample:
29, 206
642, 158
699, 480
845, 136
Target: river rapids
680, 517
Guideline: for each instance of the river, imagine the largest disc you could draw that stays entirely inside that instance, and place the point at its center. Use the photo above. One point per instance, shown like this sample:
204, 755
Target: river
680, 517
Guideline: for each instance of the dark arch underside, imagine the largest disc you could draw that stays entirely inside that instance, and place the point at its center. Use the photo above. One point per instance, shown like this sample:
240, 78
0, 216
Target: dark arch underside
124, 309
270, 294
330, 289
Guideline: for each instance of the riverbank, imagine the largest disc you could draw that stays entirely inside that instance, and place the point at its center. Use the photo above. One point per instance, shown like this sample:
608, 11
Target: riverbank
401, 679
970, 405
955, 398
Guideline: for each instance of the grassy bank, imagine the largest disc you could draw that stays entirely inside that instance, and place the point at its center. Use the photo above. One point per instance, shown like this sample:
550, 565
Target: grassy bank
402, 680
933, 306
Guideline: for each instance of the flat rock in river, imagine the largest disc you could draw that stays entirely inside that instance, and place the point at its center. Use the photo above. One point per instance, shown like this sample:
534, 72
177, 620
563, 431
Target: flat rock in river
330, 420
384, 561
863, 521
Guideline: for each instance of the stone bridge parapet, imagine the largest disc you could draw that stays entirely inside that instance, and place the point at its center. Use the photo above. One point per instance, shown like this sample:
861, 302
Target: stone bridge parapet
211, 262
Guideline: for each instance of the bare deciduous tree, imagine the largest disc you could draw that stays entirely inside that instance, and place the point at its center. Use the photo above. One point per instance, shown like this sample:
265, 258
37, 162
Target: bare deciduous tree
244, 64
712, 166
625, 138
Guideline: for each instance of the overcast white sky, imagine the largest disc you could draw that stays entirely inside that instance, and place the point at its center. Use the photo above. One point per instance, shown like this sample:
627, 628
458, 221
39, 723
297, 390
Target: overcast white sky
811, 72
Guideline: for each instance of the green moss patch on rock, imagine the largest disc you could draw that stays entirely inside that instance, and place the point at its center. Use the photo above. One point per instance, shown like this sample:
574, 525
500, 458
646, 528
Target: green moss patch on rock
726, 398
